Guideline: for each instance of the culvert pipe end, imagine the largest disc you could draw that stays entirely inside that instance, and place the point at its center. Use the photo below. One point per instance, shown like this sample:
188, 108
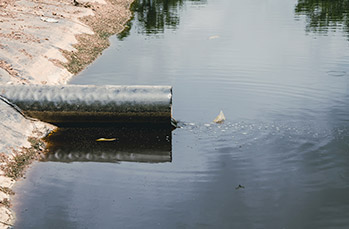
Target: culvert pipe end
80, 104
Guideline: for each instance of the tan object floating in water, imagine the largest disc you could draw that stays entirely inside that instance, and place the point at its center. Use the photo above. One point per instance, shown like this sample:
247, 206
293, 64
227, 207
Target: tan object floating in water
213, 37
106, 139
220, 118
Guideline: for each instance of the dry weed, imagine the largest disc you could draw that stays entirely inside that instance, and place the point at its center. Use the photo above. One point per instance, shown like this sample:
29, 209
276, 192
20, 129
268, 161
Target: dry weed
14, 165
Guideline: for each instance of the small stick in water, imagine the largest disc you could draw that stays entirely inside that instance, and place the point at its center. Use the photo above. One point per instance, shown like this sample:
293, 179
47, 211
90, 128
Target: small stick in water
240, 186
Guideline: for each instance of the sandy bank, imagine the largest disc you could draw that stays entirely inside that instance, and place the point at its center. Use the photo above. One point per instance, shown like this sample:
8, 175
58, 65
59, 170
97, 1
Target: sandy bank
46, 42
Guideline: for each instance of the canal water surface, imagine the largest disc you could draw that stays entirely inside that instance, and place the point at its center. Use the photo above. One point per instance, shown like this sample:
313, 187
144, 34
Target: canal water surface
279, 70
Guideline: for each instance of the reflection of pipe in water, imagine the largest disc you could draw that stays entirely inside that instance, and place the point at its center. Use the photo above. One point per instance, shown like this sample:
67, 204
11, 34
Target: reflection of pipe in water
79, 104
130, 144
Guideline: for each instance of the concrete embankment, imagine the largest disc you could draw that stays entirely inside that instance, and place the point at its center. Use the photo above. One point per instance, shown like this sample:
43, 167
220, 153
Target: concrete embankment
46, 42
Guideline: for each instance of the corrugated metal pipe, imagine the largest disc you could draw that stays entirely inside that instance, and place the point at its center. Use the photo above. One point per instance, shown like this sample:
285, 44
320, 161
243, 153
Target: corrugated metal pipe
71, 105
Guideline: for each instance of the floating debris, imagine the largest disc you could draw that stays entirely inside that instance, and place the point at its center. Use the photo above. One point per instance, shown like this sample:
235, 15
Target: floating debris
336, 73
213, 37
106, 139
239, 186
220, 118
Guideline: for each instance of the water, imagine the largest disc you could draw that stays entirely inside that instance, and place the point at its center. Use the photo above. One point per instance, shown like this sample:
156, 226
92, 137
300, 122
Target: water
278, 70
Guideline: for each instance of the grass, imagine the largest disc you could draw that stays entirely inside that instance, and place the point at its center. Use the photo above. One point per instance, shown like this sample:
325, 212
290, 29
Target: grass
6, 202
89, 47
15, 166
104, 23
7, 190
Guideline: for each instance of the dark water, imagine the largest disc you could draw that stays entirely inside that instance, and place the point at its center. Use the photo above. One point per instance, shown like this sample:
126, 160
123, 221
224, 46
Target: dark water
278, 70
